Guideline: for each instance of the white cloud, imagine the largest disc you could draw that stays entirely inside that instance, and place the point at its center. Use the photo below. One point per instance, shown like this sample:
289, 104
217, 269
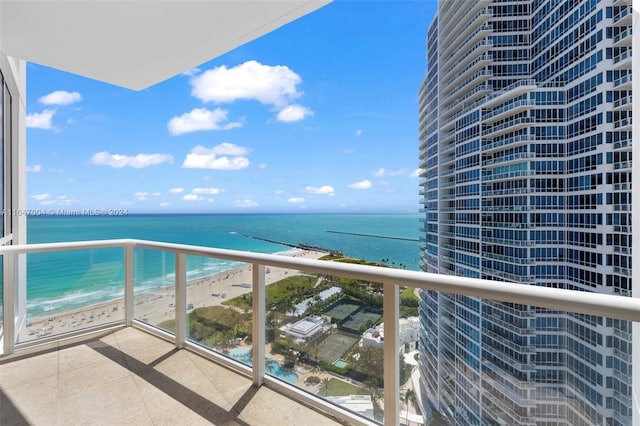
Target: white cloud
35, 168
323, 190
141, 196
262, 166
60, 97
358, 132
40, 197
176, 190
41, 120
156, 194
137, 161
192, 72
296, 200
226, 148
292, 113
363, 184
415, 173
387, 172
208, 191
225, 156
269, 85
192, 197
201, 119
247, 202
61, 200
164, 204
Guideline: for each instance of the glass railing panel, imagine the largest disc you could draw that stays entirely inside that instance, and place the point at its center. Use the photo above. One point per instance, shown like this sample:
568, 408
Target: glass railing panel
2, 284
71, 291
219, 306
411, 411
323, 336
485, 362
154, 288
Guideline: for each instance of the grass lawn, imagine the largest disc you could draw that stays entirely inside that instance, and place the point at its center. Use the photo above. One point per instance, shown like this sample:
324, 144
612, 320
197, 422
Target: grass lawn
408, 295
408, 303
337, 387
290, 286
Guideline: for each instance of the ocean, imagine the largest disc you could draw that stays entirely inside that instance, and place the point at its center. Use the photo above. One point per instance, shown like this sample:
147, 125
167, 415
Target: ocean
58, 282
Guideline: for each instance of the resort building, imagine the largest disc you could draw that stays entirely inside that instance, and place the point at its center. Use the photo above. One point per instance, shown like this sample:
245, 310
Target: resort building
408, 333
525, 145
308, 329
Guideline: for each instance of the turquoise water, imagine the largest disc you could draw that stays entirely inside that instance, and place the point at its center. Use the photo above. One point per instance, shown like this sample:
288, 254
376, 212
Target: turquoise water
244, 356
63, 281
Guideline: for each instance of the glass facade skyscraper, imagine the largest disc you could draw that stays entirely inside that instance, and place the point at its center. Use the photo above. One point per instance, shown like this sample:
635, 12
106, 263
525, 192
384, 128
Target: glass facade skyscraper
525, 147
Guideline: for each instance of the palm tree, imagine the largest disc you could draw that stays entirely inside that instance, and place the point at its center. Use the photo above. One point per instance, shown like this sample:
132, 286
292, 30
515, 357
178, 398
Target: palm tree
371, 387
409, 397
324, 386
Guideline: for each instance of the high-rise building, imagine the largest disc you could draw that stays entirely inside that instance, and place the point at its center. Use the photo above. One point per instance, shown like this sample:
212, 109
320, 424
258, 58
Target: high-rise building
525, 146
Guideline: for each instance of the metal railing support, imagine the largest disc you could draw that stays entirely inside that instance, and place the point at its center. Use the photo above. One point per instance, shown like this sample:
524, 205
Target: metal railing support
9, 289
391, 312
181, 299
259, 323
128, 284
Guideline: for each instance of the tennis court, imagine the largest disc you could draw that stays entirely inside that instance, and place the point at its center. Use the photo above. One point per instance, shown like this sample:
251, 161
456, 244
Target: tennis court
342, 311
334, 346
361, 319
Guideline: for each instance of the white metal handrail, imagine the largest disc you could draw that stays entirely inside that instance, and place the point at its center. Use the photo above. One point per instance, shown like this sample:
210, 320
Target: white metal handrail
613, 306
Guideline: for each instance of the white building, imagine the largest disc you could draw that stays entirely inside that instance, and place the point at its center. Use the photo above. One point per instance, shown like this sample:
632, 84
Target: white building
360, 404
409, 333
308, 329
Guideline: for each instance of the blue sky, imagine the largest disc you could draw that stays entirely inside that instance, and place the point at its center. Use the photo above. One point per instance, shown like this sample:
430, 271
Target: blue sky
318, 116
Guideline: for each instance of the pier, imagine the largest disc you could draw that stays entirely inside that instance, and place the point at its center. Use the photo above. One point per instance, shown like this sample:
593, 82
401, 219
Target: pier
301, 246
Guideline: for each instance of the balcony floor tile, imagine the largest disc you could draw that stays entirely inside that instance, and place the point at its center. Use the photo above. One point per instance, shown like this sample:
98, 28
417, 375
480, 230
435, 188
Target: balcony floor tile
129, 377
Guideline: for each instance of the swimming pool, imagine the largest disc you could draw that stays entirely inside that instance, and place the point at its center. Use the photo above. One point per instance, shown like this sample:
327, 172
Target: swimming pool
340, 363
243, 355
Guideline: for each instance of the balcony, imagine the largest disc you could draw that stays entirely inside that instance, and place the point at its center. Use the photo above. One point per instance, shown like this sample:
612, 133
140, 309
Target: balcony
151, 371
142, 380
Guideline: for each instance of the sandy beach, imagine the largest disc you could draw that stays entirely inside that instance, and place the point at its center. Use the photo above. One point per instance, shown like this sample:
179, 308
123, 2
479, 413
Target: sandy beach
158, 305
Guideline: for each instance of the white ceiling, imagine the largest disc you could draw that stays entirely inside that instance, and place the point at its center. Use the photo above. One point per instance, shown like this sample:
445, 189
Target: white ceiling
137, 43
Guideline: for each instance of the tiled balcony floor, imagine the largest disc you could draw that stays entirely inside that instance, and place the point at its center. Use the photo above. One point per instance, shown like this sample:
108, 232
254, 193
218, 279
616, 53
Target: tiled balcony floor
129, 377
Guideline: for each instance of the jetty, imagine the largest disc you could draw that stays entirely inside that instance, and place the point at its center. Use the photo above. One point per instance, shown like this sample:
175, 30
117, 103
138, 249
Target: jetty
301, 246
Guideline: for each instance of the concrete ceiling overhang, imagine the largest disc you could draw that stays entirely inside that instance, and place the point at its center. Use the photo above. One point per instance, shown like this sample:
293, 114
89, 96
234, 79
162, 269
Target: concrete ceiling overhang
136, 44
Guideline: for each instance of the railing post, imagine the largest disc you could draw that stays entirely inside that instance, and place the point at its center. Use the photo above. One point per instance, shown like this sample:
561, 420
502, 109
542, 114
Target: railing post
128, 284
181, 299
9, 289
391, 313
259, 323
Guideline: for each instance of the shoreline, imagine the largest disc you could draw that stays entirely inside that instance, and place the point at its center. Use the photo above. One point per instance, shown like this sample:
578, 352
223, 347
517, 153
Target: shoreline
155, 306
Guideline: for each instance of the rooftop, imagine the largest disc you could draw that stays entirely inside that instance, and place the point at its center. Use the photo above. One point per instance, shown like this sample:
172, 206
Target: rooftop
128, 376
305, 326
